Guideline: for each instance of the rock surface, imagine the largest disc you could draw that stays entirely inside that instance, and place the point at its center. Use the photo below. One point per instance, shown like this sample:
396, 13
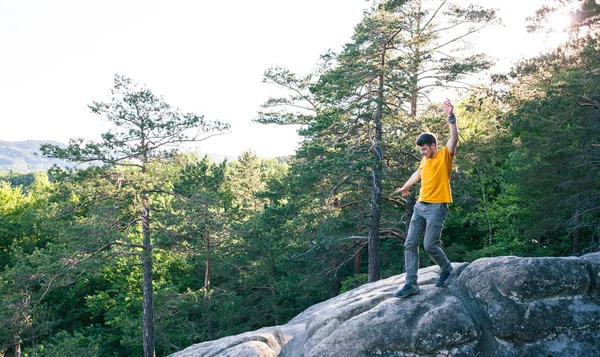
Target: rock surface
505, 306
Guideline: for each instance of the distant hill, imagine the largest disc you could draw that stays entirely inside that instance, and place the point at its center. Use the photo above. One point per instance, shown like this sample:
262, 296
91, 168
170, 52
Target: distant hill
24, 156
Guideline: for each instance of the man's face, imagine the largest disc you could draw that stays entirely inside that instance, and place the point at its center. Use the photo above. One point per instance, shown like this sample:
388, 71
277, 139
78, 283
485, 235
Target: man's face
428, 150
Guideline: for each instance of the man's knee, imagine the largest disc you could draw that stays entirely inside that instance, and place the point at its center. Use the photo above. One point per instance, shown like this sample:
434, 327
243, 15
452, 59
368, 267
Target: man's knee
432, 247
411, 246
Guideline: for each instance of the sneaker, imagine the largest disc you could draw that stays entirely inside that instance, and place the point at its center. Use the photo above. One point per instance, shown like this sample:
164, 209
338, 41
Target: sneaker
445, 278
407, 291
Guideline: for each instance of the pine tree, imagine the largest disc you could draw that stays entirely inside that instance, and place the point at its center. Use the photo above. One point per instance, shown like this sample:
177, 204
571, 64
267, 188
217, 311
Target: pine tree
146, 129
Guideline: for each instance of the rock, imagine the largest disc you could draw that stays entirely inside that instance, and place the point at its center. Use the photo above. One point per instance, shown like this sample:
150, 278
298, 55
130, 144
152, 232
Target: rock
265, 342
505, 306
535, 306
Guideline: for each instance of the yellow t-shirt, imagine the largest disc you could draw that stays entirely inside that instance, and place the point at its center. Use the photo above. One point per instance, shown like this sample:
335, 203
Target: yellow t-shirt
435, 177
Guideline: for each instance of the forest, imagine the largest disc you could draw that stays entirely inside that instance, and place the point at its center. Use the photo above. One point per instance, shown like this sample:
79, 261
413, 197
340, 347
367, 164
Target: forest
150, 249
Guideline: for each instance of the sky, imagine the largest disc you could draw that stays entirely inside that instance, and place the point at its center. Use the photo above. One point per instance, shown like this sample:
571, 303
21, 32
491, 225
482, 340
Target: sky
202, 56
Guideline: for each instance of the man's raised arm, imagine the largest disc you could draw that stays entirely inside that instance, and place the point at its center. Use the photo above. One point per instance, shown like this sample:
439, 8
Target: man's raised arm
453, 141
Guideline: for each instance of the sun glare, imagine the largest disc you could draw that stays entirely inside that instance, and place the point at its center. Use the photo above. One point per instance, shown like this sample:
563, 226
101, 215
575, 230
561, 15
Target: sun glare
559, 23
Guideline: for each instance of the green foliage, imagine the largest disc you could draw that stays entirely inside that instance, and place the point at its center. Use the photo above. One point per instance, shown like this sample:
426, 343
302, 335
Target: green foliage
64, 344
353, 282
556, 126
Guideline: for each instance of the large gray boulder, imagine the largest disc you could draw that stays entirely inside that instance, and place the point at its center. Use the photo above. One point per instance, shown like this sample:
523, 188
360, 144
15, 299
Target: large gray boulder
505, 306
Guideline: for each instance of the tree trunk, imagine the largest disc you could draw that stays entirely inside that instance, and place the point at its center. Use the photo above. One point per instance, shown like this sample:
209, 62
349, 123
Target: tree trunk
335, 285
413, 101
374, 223
148, 324
17, 331
209, 323
357, 259
207, 270
414, 90
375, 214
577, 235
409, 208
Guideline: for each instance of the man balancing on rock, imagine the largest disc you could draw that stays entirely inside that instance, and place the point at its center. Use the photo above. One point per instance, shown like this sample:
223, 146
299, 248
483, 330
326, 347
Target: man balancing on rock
432, 206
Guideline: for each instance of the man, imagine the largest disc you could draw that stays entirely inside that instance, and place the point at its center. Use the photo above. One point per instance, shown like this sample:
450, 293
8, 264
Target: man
432, 206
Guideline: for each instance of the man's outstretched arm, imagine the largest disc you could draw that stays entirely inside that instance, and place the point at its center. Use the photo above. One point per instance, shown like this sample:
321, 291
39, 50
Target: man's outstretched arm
453, 141
414, 178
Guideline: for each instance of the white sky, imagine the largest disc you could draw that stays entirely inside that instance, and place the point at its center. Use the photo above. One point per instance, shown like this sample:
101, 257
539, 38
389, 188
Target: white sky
202, 56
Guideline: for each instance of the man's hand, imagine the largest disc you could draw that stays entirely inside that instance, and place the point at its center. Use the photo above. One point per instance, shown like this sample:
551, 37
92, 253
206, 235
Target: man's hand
403, 190
448, 107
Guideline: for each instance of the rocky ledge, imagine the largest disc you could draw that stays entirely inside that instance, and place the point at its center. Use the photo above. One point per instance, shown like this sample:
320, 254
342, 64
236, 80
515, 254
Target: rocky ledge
504, 306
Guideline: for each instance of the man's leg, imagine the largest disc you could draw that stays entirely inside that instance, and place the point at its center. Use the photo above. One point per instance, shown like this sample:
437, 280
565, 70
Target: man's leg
411, 254
411, 244
435, 215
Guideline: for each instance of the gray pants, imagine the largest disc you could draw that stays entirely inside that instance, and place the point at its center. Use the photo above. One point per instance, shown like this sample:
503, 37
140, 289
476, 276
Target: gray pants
428, 218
